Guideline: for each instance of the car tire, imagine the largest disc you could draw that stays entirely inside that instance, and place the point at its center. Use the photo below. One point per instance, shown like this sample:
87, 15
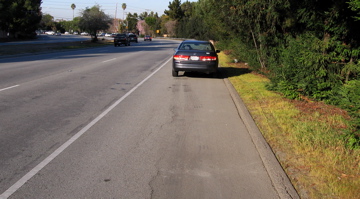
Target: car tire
175, 73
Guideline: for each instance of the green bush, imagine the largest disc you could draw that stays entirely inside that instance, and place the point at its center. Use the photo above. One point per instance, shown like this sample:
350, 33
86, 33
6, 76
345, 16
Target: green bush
349, 95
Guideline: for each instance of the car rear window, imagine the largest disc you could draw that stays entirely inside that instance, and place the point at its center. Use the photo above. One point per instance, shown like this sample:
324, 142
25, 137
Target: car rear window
132, 35
196, 46
120, 35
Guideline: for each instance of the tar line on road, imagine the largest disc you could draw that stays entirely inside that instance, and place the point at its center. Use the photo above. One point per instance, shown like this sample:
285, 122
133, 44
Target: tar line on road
52, 156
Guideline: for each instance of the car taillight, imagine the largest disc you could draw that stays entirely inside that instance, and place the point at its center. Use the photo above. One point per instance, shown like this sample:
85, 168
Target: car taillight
181, 57
208, 58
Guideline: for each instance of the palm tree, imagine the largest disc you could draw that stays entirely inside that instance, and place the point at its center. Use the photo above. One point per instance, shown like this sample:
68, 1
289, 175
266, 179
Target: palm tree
73, 6
123, 7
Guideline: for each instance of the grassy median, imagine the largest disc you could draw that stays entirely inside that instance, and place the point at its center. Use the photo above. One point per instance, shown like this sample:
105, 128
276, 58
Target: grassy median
8, 50
306, 136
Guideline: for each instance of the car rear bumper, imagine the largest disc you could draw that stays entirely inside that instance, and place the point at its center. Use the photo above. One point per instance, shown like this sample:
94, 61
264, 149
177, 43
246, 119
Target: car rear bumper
121, 42
204, 67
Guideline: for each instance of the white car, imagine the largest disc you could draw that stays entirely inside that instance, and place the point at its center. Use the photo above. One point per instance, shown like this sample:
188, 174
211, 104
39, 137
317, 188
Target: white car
84, 34
50, 32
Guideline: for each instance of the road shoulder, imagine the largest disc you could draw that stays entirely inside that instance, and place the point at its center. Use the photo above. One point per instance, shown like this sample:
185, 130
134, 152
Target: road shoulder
276, 173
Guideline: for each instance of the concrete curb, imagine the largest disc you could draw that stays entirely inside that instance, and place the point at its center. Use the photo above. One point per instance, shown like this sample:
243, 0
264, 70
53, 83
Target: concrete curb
276, 173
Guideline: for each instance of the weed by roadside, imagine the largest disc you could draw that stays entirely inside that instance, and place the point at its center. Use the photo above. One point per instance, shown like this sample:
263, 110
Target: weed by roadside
306, 136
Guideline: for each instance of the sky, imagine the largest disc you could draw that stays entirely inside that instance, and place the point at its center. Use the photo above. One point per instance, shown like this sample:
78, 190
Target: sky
61, 9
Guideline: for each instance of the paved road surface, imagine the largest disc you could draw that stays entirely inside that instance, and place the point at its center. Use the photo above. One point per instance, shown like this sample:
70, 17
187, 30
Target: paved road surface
113, 123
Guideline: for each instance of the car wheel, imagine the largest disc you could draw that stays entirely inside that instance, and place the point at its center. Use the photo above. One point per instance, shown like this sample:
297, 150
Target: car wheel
175, 73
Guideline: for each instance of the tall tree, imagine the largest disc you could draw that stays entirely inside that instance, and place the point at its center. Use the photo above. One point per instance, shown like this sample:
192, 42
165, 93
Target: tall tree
132, 20
93, 20
175, 12
47, 22
73, 6
123, 6
20, 18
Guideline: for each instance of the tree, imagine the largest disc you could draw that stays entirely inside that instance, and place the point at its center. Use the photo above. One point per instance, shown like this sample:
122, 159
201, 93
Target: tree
73, 6
355, 6
170, 27
123, 6
132, 20
143, 15
47, 22
151, 22
93, 20
20, 18
175, 12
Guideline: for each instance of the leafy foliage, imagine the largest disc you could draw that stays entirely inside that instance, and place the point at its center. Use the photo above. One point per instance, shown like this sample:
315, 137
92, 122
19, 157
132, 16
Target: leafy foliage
20, 17
94, 19
175, 12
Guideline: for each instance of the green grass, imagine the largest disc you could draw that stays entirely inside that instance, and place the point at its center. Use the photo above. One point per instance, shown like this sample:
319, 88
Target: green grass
305, 136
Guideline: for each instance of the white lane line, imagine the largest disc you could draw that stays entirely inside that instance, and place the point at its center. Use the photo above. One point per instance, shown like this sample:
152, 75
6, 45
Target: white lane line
9, 88
52, 156
109, 60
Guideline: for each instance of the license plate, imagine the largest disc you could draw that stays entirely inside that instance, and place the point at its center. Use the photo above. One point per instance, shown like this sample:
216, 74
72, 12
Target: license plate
194, 58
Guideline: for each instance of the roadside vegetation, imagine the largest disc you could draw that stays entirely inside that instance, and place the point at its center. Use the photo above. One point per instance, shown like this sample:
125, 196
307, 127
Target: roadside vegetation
306, 136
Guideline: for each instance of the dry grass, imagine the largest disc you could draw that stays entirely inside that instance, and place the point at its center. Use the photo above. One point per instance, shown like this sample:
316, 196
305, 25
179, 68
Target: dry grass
306, 137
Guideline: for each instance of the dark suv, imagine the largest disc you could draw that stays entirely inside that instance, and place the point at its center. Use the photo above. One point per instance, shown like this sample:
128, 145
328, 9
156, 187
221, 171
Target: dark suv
121, 39
133, 38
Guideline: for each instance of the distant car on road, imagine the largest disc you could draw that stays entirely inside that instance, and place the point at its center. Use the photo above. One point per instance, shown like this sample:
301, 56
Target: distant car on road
57, 34
133, 38
197, 56
108, 34
84, 34
121, 39
147, 38
50, 32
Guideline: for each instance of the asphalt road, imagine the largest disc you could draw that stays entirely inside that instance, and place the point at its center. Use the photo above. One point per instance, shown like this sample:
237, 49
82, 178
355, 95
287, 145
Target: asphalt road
113, 123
